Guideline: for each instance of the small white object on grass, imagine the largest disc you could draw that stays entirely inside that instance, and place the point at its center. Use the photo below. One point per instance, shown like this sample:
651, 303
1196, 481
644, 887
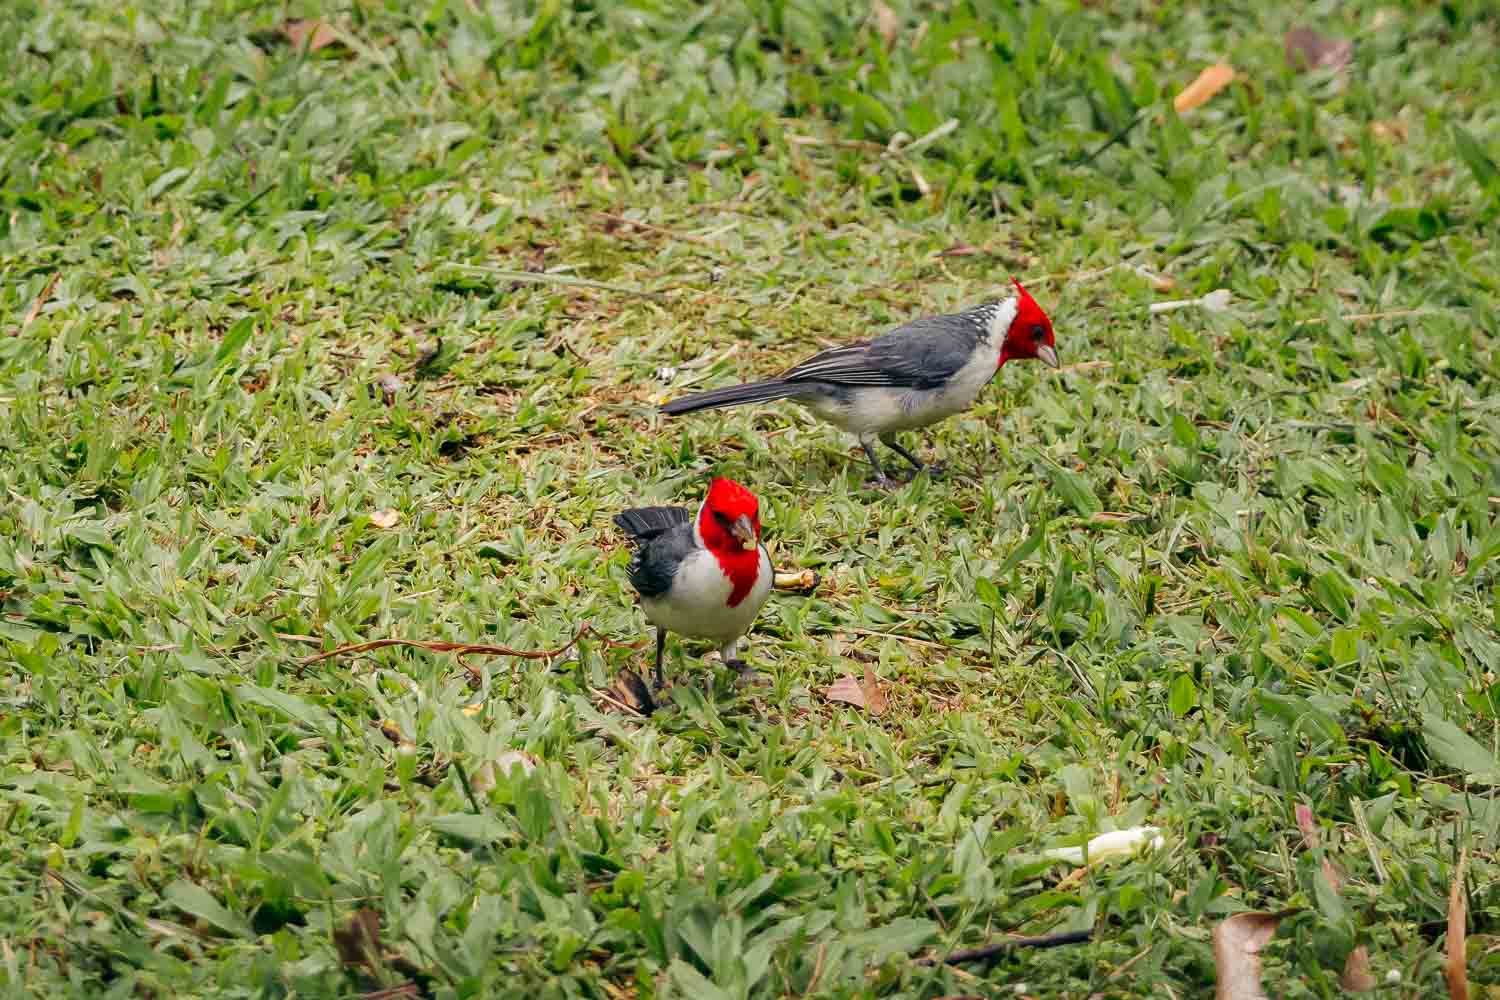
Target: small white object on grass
1109, 845
1215, 301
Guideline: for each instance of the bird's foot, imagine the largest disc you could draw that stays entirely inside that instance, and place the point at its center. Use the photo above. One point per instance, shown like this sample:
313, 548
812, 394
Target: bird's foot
745, 674
934, 469
884, 483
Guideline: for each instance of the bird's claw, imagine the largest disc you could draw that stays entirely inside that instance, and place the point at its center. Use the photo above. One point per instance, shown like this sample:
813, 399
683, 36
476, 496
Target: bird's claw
745, 674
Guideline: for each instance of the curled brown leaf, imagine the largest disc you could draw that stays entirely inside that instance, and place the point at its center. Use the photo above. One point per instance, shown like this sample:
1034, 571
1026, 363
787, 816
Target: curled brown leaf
863, 693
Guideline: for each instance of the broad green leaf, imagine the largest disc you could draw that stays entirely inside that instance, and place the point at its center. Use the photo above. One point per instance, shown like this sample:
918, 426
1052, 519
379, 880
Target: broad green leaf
233, 342
1075, 489
1184, 694
1032, 542
1458, 749
195, 900
1478, 159
289, 705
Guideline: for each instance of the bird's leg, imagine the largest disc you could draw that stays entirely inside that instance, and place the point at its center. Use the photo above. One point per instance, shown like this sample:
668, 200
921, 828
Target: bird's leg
917, 465
731, 659
661, 648
867, 442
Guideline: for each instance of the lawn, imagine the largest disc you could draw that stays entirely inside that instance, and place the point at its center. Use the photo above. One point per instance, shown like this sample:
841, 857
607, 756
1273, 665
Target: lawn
315, 335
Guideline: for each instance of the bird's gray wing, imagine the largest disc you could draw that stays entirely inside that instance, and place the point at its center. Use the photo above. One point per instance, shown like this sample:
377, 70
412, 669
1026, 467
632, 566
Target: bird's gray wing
922, 354
655, 563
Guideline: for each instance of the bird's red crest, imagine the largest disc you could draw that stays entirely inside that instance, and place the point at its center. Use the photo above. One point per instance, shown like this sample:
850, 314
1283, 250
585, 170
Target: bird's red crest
1030, 334
729, 525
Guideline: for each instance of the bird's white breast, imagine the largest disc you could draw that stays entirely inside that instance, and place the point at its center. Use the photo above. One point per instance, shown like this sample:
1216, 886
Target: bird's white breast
697, 604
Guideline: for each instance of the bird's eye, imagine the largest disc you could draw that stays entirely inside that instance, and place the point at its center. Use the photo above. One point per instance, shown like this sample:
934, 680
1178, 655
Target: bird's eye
1037, 330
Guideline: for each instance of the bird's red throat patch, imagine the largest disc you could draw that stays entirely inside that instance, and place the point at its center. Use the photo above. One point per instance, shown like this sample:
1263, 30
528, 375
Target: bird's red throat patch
742, 566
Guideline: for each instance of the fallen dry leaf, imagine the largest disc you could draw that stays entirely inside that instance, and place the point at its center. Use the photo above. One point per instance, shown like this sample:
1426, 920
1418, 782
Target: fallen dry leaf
358, 941
629, 694
887, 24
1306, 49
1238, 941
385, 518
1455, 969
865, 694
311, 34
392, 732
1390, 130
962, 250
1212, 80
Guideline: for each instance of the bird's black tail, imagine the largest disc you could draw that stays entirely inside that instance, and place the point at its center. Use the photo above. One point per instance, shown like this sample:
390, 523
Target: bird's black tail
645, 523
734, 395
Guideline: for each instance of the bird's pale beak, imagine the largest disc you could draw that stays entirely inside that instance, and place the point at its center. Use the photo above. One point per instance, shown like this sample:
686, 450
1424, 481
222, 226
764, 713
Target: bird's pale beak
744, 530
1048, 353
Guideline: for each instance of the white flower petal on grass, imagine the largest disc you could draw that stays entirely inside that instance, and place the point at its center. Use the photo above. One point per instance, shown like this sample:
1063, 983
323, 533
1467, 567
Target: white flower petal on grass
1110, 845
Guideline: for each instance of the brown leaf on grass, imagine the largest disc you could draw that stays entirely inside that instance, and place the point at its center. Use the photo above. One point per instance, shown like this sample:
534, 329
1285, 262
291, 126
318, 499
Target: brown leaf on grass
865, 694
392, 732
358, 941
311, 34
1455, 969
1209, 82
385, 518
629, 694
1306, 49
1238, 941
887, 23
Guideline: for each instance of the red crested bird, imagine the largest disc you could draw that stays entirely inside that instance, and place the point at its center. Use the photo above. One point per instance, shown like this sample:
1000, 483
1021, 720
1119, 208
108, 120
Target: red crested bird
913, 376
705, 575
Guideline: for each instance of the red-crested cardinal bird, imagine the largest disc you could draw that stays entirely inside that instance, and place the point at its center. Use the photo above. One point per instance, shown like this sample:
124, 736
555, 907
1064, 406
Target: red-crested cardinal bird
704, 575
913, 376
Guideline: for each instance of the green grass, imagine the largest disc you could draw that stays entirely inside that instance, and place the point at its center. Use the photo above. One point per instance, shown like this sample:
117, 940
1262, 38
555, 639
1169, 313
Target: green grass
1240, 561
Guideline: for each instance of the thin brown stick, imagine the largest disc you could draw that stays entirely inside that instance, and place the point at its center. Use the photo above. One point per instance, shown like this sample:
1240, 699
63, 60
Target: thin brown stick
647, 227
1006, 944
470, 648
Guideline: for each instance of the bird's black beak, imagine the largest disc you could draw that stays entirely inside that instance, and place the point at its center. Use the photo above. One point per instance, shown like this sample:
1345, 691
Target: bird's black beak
744, 530
1048, 353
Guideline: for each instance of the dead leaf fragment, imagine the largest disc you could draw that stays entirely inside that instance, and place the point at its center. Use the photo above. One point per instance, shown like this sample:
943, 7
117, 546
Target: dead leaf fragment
1209, 82
865, 694
358, 941
629, 695
392, 732
385, 518
1455, 969
311, 34
1238, 941
887, 24
1306, 49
